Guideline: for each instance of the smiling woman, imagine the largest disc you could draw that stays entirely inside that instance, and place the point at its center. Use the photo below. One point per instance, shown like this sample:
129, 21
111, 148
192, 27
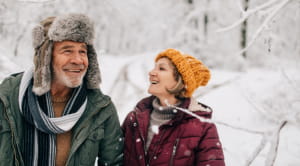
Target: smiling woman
158, 134
162, 80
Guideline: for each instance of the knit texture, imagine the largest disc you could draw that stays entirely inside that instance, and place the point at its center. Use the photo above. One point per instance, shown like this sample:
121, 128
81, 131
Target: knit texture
159, 116
194, 73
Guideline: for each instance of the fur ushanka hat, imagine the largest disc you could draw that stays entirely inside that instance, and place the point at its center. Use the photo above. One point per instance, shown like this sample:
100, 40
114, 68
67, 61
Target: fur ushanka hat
71, 27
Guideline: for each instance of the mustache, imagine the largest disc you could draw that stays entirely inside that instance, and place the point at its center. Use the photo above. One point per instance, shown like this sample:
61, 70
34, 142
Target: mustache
74, 66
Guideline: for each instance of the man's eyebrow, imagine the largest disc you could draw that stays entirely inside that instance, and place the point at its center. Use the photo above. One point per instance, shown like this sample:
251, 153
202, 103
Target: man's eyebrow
66, 47
84, 46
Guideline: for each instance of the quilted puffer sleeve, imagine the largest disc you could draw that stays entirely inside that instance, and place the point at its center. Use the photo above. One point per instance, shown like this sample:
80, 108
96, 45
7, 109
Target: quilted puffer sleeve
210, 151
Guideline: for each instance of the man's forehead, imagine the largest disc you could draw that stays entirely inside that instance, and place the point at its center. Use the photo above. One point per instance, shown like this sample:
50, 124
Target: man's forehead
70, 44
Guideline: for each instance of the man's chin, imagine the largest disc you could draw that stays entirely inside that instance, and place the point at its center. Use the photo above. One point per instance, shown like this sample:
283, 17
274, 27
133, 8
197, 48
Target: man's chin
73, 83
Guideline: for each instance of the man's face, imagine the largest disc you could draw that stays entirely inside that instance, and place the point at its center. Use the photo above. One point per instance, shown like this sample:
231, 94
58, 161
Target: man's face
69, 63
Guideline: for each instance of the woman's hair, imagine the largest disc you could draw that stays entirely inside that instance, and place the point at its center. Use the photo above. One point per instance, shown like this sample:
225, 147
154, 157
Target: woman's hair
179, 88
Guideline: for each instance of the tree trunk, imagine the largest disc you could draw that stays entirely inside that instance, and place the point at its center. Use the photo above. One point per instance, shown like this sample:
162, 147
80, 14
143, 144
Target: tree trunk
244, 31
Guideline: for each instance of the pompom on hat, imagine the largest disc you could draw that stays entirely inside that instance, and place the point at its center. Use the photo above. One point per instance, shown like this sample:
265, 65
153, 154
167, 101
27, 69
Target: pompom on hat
193, 72
70, 27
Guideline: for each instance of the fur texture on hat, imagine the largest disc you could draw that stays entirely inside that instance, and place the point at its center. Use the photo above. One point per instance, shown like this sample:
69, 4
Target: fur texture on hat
71, 27
193, 72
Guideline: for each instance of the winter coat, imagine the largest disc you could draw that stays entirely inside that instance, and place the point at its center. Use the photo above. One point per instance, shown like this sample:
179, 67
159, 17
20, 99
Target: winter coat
96, 134
183, 141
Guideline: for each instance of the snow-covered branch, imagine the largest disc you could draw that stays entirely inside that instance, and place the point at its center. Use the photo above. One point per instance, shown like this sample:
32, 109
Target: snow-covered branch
274, 145
35, 1
123, 79
264, 25
270, 8
247, 14
260, 110
271, 136
256, 152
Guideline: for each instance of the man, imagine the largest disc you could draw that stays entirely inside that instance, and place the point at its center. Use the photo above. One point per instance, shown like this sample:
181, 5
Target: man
56, 113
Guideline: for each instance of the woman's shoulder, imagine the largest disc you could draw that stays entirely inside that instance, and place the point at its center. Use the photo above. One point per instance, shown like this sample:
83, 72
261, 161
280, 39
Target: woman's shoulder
199, 108
196, 106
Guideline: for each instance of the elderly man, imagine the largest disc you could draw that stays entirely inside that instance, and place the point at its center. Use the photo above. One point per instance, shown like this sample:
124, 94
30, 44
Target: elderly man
55, 114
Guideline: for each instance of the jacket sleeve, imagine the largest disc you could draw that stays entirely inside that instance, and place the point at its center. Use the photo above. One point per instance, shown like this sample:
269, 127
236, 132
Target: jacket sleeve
210, 149
111, 148
129, 158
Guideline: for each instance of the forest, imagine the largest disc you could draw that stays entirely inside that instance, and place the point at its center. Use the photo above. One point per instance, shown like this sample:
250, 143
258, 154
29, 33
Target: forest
251, 46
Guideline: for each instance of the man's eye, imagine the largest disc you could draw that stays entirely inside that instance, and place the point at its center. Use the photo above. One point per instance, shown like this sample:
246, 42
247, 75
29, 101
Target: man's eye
83, 52
67, 51
161, 68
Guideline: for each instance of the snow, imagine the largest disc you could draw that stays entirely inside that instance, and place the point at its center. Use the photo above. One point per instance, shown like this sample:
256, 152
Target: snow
249, 123
255, 100
238, 100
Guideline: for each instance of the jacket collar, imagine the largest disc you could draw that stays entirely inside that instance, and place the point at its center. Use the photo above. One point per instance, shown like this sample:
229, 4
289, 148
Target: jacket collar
144, 109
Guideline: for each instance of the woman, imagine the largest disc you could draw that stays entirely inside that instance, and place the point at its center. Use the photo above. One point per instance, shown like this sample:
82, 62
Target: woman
158, 134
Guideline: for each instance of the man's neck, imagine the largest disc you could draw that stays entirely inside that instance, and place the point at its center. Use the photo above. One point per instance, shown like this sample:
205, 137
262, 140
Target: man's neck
60, 91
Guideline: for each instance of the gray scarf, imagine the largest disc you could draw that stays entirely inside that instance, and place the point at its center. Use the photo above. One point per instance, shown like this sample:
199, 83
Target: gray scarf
40, 128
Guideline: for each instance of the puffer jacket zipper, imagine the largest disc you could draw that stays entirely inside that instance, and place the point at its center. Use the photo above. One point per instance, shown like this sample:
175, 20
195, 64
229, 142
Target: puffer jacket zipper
156, 146
140, 134
174, 152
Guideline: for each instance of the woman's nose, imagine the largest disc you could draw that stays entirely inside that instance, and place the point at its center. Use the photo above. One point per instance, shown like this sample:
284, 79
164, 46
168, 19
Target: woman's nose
152, 72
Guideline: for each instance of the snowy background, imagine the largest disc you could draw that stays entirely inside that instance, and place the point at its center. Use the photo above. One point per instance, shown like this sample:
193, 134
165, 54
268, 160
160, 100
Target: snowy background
251, 46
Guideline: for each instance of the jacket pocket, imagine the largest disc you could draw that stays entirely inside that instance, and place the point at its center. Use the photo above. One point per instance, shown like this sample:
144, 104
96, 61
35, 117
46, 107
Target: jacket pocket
90, 147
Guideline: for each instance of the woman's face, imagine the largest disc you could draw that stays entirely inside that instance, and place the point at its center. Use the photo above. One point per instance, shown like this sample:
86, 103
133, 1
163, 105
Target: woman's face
162, 78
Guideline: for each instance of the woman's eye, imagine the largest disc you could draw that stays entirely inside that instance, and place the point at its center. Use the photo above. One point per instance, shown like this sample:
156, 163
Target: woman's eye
161, 68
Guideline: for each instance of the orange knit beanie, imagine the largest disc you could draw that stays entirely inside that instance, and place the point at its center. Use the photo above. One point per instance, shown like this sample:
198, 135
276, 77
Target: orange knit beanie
194, 73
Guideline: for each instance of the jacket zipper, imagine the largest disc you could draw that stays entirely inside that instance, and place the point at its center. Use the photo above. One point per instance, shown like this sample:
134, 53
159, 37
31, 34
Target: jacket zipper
75, 137
174, 151
143, 139
12, 134
156, 147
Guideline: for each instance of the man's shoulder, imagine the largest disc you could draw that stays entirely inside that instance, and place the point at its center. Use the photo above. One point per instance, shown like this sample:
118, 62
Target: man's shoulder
97, 98
11, 81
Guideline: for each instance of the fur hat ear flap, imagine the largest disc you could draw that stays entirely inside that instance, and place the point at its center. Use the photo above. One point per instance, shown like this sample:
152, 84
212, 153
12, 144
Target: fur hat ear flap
38, 36
93, 75
42, 70
42, 57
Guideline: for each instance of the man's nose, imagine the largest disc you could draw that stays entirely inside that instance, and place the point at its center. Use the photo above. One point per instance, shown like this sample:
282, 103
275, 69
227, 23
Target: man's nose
77, 58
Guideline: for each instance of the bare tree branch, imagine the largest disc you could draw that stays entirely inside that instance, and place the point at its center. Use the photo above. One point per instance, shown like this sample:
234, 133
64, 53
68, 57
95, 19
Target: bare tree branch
260, 110
211, 120
36, 1
247, 14
271, 157
256, 151
265, 24
289, 80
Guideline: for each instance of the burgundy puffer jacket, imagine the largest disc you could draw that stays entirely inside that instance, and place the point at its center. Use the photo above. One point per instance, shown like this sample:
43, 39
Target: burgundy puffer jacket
183, 141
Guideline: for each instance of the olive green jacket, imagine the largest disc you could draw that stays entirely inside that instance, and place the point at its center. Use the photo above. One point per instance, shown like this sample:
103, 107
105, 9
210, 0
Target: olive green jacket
96, 134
